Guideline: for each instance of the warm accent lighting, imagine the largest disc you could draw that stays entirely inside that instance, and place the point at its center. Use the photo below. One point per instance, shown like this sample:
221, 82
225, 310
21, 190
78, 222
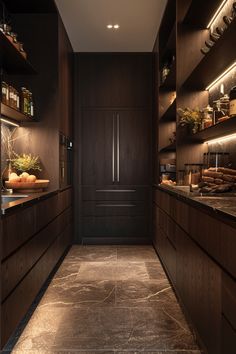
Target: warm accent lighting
216, 14
113, 26
227, 71
9, 122
222, 140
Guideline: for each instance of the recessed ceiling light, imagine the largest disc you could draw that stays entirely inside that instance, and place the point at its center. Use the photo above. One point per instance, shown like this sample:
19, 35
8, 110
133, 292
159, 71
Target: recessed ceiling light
116, 26
109, 26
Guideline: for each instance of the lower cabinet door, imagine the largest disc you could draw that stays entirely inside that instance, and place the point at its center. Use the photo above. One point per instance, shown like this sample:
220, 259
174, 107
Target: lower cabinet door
199, 286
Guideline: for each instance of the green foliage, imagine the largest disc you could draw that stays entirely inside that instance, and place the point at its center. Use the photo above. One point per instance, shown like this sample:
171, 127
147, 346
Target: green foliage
191, 118
26, 162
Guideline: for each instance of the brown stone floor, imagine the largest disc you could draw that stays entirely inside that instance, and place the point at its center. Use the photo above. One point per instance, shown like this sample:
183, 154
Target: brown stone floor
108, 299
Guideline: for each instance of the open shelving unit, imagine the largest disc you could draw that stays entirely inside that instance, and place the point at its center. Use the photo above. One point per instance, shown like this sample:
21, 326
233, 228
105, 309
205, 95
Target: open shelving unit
14, 115
189, 76
12, 60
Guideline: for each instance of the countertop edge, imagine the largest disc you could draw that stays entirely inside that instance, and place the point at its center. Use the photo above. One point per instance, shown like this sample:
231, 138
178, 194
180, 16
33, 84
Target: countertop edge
215, 212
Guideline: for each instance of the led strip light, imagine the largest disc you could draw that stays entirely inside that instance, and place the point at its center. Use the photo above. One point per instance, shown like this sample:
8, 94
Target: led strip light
216, 14
227, 71
9, 122
222, 140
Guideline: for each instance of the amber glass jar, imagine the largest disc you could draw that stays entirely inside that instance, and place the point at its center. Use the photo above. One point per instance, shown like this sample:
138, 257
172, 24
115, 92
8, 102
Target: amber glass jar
5, 93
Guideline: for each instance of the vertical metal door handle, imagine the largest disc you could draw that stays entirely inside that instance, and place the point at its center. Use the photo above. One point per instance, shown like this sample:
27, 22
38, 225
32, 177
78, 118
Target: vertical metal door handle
118, 148
113, 149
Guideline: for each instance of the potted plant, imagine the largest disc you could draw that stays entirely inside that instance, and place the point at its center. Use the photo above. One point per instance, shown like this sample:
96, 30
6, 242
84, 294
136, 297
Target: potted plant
191, 118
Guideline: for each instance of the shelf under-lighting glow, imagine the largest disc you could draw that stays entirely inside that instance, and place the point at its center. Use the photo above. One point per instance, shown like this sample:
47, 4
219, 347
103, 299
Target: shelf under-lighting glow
217, 13
9, 122
226, 72
223, 139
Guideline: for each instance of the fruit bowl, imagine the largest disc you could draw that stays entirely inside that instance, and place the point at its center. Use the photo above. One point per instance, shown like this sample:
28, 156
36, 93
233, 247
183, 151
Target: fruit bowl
28, 187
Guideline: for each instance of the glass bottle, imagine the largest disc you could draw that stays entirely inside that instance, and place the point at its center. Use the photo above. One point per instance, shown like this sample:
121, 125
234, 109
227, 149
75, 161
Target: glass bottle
232, 102
24, 100
4, 92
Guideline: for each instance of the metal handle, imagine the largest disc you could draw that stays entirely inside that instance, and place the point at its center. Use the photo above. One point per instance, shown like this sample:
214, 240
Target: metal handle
116, 205
116, 190
118, 148
113, 149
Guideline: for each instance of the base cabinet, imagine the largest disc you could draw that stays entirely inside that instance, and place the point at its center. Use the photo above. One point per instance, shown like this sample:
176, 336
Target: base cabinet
203, 281
29, 258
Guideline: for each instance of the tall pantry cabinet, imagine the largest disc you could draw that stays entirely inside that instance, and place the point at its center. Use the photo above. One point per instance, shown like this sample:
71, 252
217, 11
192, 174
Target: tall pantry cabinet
113, 131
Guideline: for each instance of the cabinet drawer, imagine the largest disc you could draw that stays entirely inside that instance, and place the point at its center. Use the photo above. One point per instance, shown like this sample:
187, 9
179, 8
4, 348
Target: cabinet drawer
228, 338
116, 193
229, 299
114, 208
17, 228
117, 226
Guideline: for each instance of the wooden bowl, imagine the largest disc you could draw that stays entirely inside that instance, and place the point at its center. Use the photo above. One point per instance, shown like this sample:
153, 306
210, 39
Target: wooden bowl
28, 187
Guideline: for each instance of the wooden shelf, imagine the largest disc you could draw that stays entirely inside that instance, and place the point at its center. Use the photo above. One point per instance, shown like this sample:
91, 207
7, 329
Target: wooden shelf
170, 47
11, 59
13, 114
170, 82
170, 114
216, 131
169, 148
220, 57
200, 12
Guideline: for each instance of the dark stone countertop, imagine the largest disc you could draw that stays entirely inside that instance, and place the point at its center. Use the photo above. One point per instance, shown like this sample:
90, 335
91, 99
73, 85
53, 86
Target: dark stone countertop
221, 205
30, 199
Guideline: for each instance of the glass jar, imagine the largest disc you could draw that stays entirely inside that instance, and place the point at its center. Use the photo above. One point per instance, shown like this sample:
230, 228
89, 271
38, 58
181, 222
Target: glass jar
5, 93
24, 100
207, 117
11, 96
193, 173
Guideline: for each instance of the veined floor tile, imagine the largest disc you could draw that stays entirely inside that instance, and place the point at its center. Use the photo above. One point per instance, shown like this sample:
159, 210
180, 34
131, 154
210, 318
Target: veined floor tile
93, 253
108, 300
136, 254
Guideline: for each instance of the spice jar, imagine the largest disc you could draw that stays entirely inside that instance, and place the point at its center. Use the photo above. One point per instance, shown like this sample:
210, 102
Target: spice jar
5, 93
24, 100
207, 117
11, 96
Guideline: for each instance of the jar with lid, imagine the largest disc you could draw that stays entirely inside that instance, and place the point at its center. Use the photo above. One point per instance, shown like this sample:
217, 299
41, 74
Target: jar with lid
216, 159
5, 93
11, 96
232, 102
193, 173
207, 117
31, 104
24, 100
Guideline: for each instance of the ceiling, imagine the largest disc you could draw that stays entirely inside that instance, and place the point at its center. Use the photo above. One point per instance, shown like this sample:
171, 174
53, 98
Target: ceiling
86, 21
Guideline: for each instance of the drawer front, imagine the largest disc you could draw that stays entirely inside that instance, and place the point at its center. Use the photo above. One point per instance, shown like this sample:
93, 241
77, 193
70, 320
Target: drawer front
115, 193
17, 228
114, 208
123, 226
229, 300
228, 338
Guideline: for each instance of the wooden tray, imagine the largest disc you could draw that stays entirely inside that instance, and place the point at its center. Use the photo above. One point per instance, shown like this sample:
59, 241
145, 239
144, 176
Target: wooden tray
28, 187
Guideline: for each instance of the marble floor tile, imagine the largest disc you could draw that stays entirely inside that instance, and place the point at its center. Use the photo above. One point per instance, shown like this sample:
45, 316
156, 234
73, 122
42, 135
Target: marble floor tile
136, 253
82, 293
142, 293
93, 253
108, 300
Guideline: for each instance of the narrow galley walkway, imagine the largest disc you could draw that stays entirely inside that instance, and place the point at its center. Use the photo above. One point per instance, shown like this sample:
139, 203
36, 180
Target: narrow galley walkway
108, 299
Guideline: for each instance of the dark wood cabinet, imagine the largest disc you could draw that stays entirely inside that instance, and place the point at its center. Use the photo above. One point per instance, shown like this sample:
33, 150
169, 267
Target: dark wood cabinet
116, 147
115, 80
113, 136
197, 249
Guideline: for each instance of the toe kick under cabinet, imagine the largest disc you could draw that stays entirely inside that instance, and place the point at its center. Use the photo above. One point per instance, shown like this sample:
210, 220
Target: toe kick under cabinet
198, 252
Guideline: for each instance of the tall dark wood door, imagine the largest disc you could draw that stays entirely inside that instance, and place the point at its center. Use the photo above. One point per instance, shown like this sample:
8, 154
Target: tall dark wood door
97, 147
116, 147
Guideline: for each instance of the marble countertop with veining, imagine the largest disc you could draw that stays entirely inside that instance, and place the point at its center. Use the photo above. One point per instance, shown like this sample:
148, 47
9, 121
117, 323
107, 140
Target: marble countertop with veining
221, 204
